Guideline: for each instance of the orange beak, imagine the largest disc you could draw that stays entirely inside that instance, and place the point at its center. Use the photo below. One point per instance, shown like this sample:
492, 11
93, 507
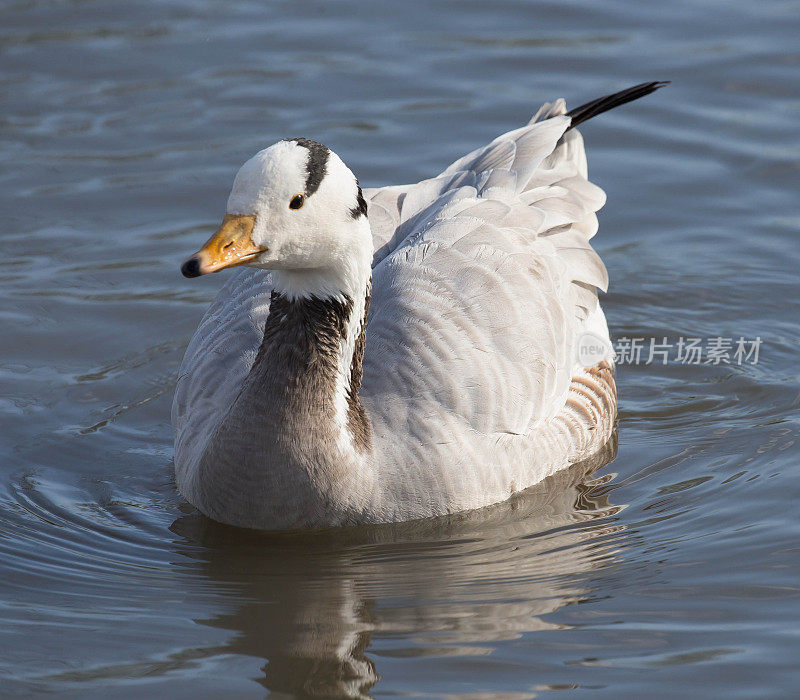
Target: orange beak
230, 245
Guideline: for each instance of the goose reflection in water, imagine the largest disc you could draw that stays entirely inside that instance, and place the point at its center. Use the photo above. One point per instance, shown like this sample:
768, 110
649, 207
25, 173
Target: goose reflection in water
311, 604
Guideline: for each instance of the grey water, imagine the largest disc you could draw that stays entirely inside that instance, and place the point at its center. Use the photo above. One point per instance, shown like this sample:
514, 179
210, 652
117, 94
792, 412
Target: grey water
669, 568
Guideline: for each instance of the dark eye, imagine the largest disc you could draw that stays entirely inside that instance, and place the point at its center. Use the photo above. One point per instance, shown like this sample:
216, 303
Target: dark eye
297, 201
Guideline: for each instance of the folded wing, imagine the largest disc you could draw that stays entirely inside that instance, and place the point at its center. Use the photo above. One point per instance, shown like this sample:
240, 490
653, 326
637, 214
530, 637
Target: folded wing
483, 281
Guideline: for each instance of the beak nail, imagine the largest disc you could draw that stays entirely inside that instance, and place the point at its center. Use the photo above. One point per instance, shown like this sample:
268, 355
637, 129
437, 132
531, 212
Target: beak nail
191, 268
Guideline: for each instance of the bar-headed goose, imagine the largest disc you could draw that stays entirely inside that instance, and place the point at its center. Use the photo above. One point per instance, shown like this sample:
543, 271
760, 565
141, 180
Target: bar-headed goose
401, 352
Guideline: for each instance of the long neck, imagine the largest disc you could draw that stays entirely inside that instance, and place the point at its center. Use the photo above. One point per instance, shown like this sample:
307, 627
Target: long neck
293, 450
323, 315
310, 361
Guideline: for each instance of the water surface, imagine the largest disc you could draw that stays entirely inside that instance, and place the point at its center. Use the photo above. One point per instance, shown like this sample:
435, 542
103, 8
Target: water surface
671, 570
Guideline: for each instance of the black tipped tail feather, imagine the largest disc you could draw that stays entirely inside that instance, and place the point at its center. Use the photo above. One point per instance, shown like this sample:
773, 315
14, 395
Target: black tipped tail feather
603, 104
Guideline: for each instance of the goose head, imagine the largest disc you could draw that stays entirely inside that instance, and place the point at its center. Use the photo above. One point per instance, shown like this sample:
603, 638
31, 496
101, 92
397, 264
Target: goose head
297, 209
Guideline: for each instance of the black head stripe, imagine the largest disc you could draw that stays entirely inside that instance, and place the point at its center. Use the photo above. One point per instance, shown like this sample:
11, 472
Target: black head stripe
361, 204
316, 165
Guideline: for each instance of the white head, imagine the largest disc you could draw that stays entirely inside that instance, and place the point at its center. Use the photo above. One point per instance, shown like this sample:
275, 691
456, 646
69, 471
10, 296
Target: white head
295, 208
